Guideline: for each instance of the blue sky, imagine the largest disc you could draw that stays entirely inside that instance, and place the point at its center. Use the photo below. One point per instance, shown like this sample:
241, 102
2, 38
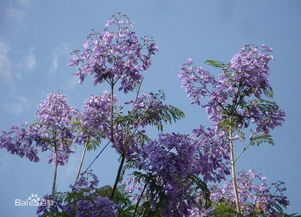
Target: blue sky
37, 36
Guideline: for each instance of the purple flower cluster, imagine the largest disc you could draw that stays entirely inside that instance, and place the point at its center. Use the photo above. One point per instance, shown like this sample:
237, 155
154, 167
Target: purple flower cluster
251, 68
237, 92
171, 156
255, 194
197, 81
173, 160
87, 180
214, 153
51, 205
82, 201
267, 115
51, 131
19, 140
115, 54
54, 119
55, 114
99, 207
95, 118
91, 204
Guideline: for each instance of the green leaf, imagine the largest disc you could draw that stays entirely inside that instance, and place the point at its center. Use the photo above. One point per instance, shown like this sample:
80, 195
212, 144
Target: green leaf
55, 214
264, 105
121, 197
223, 209
241, 135
268, 92
291, 215
216, 64
93, 144
74, 196
225, 124
258, 139
130, 164
202, 186
159, 117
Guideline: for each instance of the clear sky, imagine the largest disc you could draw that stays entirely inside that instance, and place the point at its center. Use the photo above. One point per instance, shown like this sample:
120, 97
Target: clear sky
36, 38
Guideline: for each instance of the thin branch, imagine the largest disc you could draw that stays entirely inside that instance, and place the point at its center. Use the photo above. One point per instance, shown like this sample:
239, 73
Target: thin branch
118, 176
139, 87
81, 162
55, 171
242, 151
97, 157
233, 173
141, 195
112, 114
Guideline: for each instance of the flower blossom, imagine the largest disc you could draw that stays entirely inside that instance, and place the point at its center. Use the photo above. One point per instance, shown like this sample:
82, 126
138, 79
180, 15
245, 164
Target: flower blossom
115, 54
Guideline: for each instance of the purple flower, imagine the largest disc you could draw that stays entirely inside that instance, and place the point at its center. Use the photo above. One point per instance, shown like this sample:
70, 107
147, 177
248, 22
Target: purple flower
267, 115
90, 204
174, 161
251, 68
87, 180
115, 54
52, 131
237, 92
254, 194
214, 153
54, 124
82, 201
95, 117
19, 140
196, 81
49, 204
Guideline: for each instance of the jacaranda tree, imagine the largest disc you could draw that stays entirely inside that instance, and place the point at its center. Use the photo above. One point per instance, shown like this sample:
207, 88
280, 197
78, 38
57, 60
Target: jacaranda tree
173, 175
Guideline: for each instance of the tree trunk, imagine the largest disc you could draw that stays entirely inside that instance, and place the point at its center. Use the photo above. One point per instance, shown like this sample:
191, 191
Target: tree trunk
81, 163
233, 173
118, 176
55, 172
